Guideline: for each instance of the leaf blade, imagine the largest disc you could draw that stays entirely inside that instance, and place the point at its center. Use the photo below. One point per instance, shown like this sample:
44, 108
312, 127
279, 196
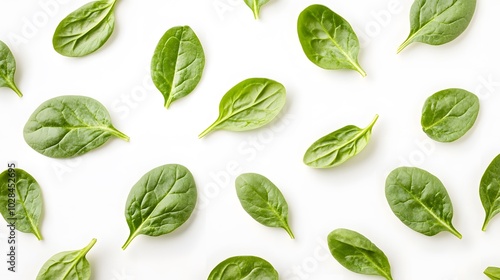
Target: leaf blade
263, 201
160, 202
489, 191
8, 69
420, 201
255, 6
493, 273
243, 268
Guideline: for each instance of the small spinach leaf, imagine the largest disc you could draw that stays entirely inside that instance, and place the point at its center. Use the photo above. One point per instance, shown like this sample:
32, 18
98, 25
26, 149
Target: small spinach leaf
489, 190
86, 29
448, 114
358, 254
493, 273
242, 268
8, 69
160, 202
328, 39
338, 146
250, 104
262, 200
69, 126
18, 187
420, 201
255, 5
177, 63
69, 265
436, 22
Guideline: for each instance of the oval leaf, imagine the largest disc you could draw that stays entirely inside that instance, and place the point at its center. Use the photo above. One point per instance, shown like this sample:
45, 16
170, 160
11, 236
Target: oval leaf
420, 201
243, 268
436, 22
160, 202
69, 126
328, 39
262, 200
85, 30
8, 69
448, 114
493, 273
18, 187
69, 265
358, 254
338, 146
489, 190
177, 63
255, 5
250, 104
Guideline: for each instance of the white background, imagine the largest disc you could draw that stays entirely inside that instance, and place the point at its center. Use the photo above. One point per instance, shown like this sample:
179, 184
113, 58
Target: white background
85, 197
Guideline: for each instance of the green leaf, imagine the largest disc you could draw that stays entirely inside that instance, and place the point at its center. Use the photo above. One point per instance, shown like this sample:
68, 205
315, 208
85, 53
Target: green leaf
448, 114
489, 190
437, 22
71, 265
160, 202
250, 104
255, 5
85, 30
493, 273
8, 69
420, 201
358, 254
328, 39
20, 188
69, 126
244, 268
177, 64
262, 200
338, 146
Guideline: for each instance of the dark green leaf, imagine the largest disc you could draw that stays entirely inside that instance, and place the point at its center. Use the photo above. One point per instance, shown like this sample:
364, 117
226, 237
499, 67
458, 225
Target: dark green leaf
244, 268
489, 190
8, 69
328, 39
69, 126
85, 30
338, 146
358, 254
177, 63
250, 104
436, 22
420, 201
493, 273
448, 114
20, 188
71, 265
160, 202
263, 201
255, 5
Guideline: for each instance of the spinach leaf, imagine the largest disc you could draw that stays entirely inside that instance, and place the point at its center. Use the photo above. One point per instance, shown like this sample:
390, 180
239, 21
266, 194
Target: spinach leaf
68, 265
8, 69
177, 63
489, 190
338, 146
437, 22
69, 126
243, 268
328, 39
262, 200
85, 30
255, 5
448, 114
160, 202
250, 104
420, 201
358, 254
18, 187
493, 273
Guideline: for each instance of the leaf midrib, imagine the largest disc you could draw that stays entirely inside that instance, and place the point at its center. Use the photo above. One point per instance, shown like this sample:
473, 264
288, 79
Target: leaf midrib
34, 228
387, 276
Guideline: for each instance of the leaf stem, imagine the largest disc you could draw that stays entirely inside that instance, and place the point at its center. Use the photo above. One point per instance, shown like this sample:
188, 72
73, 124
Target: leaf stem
373, 122
455, 232
485, 224
208, 130
130, 238
359, 69
88, 247
15, 89
37, 233
289, 231
120, 134
404, 45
